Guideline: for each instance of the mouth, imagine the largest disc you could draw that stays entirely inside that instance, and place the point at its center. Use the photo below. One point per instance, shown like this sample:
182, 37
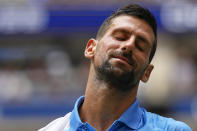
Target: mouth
124, 60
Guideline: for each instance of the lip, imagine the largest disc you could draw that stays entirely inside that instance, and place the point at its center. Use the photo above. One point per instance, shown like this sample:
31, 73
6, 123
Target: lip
122, 58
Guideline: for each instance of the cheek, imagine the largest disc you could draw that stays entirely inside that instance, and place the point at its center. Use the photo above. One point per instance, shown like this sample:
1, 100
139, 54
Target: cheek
103, 50
109, 43
106, 46
142, 60
100, 55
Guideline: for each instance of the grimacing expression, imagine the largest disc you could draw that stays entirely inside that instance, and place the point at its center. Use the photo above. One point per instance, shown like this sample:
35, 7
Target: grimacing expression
125, 48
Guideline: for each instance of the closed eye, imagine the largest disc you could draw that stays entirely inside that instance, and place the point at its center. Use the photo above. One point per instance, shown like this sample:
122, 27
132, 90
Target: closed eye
139, 46
119, 38
121, 34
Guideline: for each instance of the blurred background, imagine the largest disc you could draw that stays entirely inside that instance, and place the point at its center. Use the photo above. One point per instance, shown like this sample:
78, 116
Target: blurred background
43, 70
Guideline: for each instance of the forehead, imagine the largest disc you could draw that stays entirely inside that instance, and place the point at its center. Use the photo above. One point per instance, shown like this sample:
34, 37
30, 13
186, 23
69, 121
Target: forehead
132, 24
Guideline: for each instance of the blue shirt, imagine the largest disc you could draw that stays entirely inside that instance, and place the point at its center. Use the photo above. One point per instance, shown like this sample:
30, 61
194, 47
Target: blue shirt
134, 118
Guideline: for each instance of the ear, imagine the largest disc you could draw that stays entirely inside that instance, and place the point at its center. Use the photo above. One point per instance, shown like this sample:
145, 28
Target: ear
147, 73
90, 48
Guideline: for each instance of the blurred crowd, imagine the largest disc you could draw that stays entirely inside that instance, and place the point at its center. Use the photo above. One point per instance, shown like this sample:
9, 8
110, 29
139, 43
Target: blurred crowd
50, 75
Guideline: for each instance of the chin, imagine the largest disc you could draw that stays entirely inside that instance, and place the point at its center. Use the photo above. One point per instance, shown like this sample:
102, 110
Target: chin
121, 69
118, 72
115, 72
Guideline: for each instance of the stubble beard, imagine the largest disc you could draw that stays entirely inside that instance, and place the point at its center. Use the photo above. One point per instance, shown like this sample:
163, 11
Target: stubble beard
123, 82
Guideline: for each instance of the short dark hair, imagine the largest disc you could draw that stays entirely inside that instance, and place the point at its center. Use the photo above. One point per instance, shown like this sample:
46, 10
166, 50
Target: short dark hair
132, 10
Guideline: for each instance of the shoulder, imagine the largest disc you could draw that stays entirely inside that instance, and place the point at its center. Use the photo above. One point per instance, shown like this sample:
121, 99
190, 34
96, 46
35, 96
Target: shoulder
58, 124
168, 124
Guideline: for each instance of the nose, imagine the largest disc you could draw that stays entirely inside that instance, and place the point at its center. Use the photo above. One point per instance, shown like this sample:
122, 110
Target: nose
128, 45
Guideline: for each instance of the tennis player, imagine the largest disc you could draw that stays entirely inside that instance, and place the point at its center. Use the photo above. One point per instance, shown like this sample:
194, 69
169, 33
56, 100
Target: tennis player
120, 58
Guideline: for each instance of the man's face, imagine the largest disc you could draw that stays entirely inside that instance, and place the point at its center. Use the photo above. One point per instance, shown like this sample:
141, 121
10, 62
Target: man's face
122, 54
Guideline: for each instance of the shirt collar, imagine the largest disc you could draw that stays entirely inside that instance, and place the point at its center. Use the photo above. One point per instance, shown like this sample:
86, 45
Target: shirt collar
132, 117
75, 120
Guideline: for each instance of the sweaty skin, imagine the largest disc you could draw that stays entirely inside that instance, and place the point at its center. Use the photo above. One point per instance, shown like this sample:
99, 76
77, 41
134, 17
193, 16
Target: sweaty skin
102, 102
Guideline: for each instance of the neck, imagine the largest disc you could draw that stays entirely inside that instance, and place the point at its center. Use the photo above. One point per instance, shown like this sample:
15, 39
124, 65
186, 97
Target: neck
104, 104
